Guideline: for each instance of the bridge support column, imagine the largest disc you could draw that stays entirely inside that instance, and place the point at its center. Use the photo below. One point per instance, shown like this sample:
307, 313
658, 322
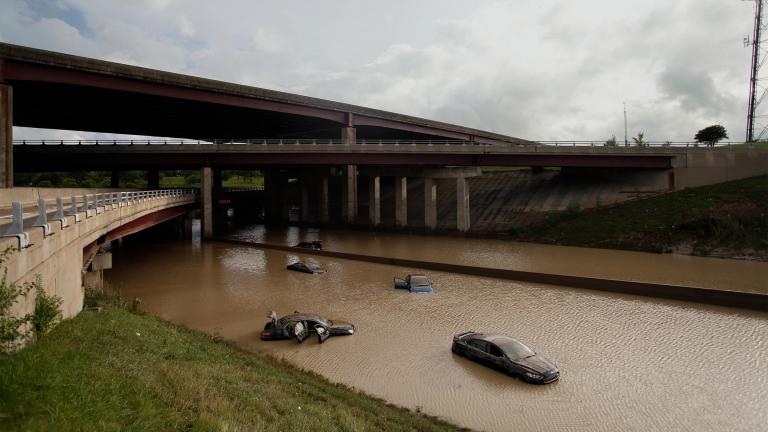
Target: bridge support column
153, 179
349, 135
324, 211
430, 203
206, 192
462, 204
401, 201
6, 136
374, 200
304, 199
114, 180
285, 203
350, 193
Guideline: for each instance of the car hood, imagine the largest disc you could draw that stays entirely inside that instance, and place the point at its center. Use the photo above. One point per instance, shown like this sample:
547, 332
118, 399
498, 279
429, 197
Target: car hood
537, 363
341, 325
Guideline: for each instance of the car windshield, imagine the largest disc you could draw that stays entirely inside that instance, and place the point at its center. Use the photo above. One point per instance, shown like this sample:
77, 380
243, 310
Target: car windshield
513, 349
419, 281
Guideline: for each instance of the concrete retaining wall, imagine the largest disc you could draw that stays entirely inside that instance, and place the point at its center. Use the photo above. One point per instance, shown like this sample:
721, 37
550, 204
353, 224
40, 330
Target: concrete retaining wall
701, 167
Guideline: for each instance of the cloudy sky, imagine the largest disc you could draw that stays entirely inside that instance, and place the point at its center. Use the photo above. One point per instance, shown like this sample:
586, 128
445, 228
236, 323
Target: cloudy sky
535, 69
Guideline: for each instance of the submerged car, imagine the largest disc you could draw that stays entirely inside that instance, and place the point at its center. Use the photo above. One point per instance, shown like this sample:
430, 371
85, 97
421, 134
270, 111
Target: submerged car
505, 354
300, 325
414, 283
306, 267
315, 244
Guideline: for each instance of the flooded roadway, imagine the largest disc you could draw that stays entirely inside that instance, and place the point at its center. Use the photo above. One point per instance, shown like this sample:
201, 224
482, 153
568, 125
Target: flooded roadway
627, 363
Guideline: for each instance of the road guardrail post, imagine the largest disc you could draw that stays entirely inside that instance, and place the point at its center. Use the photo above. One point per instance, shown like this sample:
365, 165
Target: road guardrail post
16, 228
42, 218
60, 213
73, 211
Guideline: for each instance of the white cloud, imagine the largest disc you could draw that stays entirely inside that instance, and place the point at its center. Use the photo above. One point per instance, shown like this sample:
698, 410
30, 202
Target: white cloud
537, 69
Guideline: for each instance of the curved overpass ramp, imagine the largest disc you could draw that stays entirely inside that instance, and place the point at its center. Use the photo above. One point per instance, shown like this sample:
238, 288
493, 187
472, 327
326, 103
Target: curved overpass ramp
57, 252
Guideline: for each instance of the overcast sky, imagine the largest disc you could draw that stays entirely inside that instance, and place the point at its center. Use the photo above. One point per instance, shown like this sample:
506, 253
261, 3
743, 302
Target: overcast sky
534, 69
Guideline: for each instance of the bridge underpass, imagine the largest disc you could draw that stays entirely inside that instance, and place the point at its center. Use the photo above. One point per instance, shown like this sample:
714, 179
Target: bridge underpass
367, 149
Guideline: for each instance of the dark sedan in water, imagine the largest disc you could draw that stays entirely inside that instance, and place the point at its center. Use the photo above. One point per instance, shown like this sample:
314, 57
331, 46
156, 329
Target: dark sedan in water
505, 354
300, 325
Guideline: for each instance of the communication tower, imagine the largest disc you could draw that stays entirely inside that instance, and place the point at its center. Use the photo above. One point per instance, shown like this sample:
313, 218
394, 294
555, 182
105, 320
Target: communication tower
756, 126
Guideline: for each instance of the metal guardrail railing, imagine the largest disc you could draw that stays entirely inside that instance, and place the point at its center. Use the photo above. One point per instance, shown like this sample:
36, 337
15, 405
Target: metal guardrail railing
382, 142
45, 211
243, 189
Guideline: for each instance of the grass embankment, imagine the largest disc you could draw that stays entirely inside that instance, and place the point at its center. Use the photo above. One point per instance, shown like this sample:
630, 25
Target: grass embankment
115, 370
728, 219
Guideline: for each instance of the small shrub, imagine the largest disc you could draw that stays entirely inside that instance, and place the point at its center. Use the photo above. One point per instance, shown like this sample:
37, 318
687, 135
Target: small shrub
611, 142
47, 310
11, 327
574, 209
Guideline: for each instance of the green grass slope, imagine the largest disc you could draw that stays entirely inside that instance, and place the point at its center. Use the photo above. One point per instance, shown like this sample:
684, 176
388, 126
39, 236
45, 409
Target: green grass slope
115, 370
728, 219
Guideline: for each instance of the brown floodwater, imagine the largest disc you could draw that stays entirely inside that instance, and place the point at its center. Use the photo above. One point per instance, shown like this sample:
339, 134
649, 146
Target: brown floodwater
626, 362
738, 275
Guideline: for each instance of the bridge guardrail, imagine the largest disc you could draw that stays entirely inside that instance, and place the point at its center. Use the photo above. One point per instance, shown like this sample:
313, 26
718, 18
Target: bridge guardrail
13, 224
366, 142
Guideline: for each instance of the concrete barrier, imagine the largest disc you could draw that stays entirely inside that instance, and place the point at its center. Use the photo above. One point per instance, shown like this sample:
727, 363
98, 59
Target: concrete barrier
738, 299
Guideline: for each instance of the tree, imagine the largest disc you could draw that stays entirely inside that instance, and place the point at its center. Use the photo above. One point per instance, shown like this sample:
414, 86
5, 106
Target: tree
639, 140
711, 135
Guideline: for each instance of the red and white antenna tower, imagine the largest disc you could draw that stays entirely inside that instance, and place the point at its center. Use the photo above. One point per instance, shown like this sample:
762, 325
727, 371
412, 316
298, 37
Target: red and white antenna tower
758, 58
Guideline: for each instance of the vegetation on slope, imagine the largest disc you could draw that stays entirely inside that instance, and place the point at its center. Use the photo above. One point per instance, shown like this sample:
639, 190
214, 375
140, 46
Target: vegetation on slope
116, 370
728, 219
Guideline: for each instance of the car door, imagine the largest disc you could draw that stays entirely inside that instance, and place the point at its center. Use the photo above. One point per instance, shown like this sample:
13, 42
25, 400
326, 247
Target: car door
322, 333
496, 357
300, 330
476, 350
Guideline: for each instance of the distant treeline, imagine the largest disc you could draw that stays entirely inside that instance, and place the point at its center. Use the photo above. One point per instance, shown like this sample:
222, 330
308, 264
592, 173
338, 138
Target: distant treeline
132, 179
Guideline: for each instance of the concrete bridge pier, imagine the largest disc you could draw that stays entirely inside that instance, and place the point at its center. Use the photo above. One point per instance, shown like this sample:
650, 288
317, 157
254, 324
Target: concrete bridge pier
6, 136
401, 201
325, 214
462, 204
349, 193
430, 203
305, 184
374, 200
206, 195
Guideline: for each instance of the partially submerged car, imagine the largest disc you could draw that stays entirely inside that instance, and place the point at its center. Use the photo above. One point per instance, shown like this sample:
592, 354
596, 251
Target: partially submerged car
415, 283
505, 354
306, 267
314, 244
300, 325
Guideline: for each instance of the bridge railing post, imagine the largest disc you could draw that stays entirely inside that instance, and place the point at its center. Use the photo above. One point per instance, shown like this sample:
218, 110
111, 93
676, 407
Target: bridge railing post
73, 211
16, 227
42, 218
60, 213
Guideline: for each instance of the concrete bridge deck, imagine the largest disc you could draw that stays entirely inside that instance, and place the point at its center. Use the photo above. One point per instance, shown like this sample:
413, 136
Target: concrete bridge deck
62, 157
